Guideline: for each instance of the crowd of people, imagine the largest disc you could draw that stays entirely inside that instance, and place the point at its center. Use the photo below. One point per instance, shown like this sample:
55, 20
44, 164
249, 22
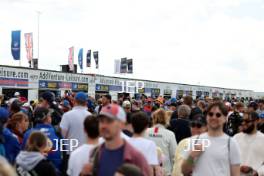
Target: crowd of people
77, 135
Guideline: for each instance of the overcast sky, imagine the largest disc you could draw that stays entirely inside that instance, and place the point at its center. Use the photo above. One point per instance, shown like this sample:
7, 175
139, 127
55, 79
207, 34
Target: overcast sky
206, 42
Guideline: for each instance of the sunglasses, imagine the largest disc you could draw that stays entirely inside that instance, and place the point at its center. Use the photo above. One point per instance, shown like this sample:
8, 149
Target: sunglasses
211, 114
196, 125
248, 121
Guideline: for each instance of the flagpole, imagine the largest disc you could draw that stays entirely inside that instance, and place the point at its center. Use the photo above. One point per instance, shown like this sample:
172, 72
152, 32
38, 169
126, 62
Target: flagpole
38, 13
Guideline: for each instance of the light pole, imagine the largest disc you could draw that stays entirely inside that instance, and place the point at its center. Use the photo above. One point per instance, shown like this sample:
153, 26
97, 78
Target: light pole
38, 13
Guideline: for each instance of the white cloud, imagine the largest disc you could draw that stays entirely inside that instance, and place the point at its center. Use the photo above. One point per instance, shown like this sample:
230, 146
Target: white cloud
186, 41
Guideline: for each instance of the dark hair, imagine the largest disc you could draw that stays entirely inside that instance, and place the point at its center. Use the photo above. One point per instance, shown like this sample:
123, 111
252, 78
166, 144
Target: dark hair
253, 105
239, 105
91, 126
15, 106
220, 105
139, 122
188, 100
252, 115
36, 141
107, 96
128, 118
129, 170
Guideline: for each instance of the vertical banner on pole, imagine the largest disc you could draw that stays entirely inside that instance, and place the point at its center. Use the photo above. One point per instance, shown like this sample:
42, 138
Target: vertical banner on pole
15, 44
29, 47
117, 66
96, 59
71, 58
88, 58
80, 58
130, 66
123, 65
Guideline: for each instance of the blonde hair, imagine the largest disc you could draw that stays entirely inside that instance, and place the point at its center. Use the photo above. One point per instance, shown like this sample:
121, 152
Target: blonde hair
16, 119
6, 169
168, 117
159, 117
37, 141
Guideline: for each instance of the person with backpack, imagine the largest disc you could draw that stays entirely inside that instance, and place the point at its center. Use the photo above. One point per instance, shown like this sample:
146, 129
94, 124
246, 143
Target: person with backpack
235, 119
32, 161
214, 153
115, 151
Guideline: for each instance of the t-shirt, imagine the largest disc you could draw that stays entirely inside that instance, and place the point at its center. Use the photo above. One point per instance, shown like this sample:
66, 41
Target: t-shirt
215, 160
123, 136
147, 147
164, 139
110, 161
78, 159
252, 153
72, 121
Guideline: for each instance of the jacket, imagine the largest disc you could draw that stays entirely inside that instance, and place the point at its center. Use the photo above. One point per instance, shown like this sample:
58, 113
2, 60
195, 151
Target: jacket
33, 163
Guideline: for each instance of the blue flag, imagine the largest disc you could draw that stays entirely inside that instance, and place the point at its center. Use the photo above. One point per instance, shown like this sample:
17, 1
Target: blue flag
80, 58
15, 45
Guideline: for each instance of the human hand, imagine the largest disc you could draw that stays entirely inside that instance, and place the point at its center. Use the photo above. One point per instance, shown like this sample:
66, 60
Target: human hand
198, 149
87, 170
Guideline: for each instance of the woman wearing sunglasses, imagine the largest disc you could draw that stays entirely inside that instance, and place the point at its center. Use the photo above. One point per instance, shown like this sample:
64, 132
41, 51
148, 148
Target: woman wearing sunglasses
213, 153
198, 126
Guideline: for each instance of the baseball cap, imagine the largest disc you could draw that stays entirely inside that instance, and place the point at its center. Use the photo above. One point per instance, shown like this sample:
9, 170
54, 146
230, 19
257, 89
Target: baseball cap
4, 114
114, 112
48, 96
66, 103
198, 120
126, 104
81, 96
16, 94
173, 100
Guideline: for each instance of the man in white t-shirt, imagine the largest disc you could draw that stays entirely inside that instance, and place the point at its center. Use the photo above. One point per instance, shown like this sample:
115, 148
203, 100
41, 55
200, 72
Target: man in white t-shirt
251, 144
212, 153
72, 122
81, 155
147, 147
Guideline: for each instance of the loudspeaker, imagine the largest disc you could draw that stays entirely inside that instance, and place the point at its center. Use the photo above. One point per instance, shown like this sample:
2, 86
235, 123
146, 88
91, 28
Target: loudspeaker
35, 63
66, 68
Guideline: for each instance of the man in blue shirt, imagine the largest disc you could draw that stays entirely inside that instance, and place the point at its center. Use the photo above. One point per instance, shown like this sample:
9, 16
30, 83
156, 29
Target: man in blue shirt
42, 117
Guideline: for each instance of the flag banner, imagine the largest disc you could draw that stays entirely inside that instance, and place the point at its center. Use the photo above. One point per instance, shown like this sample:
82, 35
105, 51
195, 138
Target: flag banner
71, 58
88, 58
29, 46
130, 66
96, 59
80, 58
15, 44
123, 65
117, 66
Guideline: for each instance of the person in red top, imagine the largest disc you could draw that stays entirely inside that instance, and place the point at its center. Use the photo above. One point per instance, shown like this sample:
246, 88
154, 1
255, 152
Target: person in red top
115, 151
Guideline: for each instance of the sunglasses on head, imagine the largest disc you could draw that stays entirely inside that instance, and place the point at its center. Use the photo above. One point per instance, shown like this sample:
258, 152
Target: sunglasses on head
218, 115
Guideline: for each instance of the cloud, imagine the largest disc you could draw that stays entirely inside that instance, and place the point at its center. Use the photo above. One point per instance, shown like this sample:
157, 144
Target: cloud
186, 41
